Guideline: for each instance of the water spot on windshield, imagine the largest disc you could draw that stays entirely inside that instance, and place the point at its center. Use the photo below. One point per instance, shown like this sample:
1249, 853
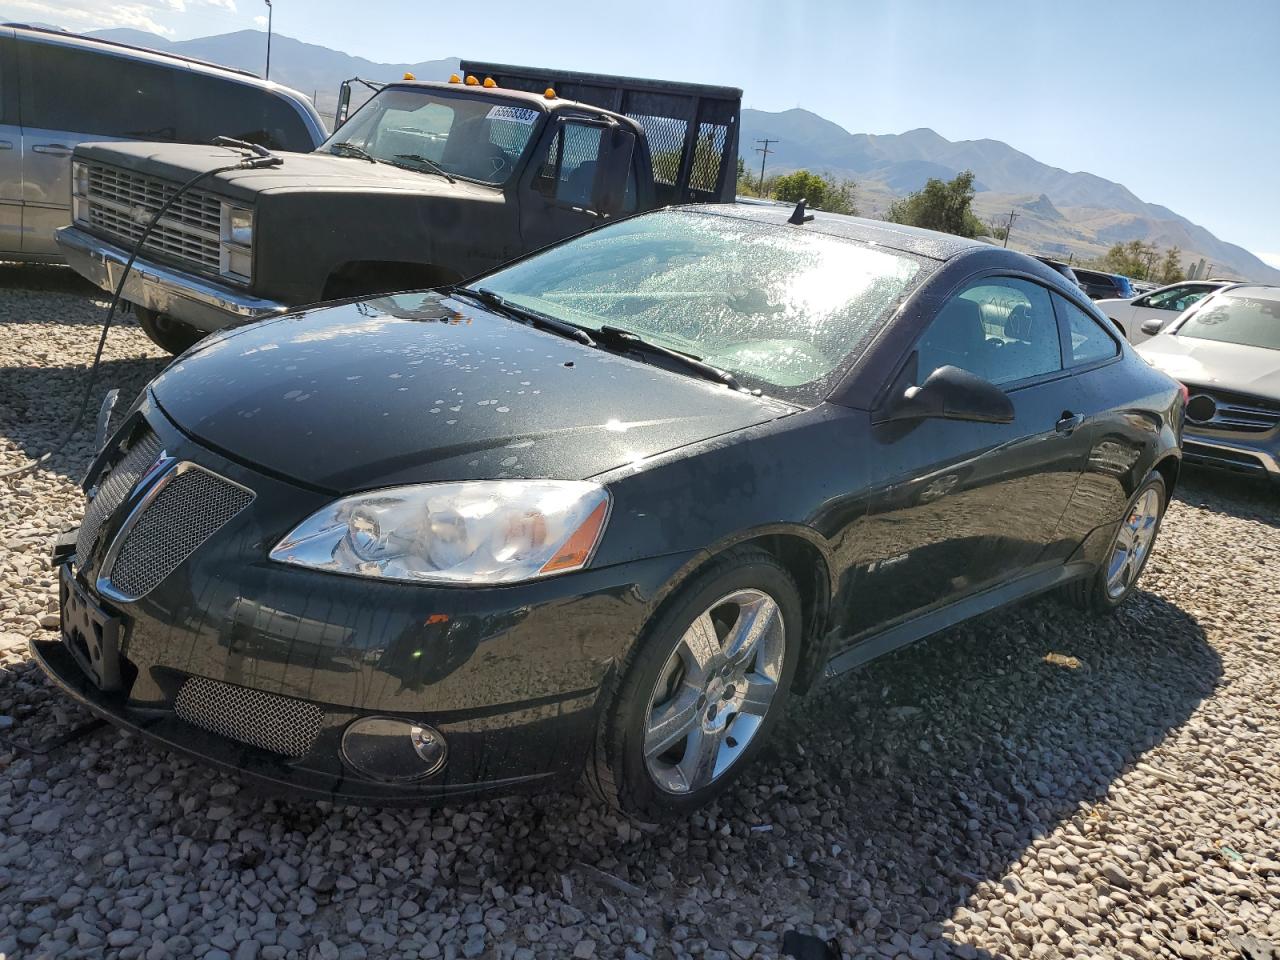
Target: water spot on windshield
504, 409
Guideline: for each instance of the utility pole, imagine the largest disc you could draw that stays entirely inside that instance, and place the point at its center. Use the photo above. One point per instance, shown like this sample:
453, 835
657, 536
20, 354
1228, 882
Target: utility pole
267, 75
764, 155
1013, 215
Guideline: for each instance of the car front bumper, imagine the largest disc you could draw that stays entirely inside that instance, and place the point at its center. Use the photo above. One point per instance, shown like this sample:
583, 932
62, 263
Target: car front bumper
510, 676
1256, 455
204, 304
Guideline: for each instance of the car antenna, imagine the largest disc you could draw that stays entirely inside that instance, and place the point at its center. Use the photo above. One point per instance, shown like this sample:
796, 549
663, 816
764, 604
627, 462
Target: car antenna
798, 216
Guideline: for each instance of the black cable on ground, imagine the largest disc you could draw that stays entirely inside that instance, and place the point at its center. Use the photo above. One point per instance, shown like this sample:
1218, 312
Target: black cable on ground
111, 314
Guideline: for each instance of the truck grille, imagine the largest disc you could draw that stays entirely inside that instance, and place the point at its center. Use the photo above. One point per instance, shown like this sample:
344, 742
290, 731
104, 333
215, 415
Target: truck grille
1223, 410
113, 487
191, 506
120, 203
279, 724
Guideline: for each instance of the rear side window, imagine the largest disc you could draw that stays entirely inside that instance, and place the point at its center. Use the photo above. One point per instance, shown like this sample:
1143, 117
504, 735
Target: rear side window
568, 172
1001, 329
1087, 339
225, 108
80, 91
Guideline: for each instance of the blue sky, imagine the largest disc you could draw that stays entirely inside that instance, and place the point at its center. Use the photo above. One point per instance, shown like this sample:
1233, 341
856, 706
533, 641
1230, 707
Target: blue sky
1176, 100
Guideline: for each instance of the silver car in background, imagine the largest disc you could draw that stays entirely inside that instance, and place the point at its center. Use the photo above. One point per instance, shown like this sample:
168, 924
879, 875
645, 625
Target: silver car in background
60, 90
1226, 350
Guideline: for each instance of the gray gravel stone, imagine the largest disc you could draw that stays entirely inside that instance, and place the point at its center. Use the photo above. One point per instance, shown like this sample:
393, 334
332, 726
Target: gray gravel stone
1035, 784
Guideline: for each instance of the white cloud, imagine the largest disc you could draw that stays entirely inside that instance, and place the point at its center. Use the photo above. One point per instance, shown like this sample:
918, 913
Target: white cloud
154, 16
260, 20
94, 16
1270, 259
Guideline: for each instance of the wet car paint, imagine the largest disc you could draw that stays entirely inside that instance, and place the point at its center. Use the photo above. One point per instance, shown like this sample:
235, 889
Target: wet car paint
891, 530
420, 388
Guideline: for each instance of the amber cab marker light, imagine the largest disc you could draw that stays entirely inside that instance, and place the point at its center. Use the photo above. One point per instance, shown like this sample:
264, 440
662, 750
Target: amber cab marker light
549, 93
578, 547
410, 76
471, 81
490, 83
454, 78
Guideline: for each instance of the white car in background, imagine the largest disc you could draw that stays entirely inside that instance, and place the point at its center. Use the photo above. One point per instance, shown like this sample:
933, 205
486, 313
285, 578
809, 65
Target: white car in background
1163, 304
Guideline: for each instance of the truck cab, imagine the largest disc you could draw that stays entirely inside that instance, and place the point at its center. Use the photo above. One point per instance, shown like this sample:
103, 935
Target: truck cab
427, 184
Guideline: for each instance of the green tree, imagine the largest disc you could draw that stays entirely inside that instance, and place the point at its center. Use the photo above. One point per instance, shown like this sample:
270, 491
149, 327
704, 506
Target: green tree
940, 205
819, 191
800, 185
1170, 268
1133, 259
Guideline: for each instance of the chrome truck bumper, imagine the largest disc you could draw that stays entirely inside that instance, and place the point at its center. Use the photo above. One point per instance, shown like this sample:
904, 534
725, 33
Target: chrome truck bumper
202, 303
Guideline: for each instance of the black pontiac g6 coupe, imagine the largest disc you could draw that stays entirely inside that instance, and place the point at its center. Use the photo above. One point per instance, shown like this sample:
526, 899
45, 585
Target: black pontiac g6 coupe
601, 511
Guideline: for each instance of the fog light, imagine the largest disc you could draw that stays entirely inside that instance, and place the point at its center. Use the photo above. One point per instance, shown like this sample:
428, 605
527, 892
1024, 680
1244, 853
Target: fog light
386, 748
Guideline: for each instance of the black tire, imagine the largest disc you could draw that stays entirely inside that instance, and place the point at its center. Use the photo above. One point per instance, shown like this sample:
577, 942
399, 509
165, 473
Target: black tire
1092, 594
617, 770
165, 332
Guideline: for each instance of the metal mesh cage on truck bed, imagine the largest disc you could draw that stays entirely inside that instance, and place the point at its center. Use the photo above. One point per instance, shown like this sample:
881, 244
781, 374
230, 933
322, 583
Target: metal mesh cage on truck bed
692, 128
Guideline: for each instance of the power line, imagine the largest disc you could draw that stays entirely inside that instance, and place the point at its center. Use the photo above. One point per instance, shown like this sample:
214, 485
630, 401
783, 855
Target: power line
764, 155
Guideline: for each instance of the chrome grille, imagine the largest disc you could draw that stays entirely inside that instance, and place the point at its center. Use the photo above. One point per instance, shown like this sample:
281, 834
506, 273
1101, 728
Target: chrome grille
120, 203
1232, 411
279, 724
113, 487
190, 505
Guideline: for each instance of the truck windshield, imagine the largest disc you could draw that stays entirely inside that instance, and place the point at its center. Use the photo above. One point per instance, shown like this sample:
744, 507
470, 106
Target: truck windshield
786, 311
479, 138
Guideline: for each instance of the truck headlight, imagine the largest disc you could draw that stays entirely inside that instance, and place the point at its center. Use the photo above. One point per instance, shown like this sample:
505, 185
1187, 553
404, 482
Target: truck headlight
240, 226
79, 178
467, 533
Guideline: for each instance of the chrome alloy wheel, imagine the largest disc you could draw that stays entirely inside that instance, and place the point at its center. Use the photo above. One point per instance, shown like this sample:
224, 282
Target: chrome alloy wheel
1133, 541
714, 691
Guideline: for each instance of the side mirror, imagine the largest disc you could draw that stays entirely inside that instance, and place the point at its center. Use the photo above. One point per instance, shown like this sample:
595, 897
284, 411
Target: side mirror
950, 393
1153, 326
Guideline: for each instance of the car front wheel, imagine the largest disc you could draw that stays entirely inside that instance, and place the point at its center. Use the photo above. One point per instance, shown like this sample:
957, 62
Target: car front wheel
701, 691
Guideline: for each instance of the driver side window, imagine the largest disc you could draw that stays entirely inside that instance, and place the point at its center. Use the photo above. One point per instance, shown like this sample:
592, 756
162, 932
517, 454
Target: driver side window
1000, 328
568, 172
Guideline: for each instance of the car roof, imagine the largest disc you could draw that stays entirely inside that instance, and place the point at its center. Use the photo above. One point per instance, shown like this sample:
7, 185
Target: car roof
1257, 291
895, 236
80, 39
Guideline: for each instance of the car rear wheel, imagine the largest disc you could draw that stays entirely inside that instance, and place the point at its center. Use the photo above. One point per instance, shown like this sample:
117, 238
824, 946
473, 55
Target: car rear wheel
701, 691
165, 332
1130, 549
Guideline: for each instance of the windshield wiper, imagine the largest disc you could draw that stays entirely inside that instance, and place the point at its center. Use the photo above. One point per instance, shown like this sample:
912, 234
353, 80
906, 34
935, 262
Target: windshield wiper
347, 148
430, 164
633, 341
532, 317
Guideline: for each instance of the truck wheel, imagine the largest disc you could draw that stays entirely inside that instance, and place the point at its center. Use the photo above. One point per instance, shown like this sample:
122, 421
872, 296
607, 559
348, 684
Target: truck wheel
701, 690
165, 332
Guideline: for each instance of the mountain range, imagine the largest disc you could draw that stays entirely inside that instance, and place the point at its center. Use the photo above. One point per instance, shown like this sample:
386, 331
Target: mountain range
1058, 212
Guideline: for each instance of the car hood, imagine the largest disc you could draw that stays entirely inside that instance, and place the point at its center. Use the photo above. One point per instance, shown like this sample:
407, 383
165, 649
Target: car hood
1210, 363
300, 171
415, 388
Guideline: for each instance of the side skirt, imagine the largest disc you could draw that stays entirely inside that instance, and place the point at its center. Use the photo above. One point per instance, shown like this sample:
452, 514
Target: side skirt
931, 623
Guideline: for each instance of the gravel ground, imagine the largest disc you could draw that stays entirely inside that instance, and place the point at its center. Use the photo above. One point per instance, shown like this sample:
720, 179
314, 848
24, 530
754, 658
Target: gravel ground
1034, 784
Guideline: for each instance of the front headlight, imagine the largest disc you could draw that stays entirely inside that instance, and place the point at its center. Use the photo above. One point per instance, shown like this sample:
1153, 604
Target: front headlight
79, 178
240, 226
472, 532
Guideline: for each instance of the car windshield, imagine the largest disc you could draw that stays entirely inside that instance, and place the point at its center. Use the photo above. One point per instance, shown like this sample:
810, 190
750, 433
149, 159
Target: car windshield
784, 309
476, 137
1247, 317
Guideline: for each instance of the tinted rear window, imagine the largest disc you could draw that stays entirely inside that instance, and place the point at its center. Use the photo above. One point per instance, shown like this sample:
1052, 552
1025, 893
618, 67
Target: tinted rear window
101, 94
231, 109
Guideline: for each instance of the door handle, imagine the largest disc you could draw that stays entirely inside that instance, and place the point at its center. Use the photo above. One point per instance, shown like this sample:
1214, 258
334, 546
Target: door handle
6, 144
53, 149
1069, 422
